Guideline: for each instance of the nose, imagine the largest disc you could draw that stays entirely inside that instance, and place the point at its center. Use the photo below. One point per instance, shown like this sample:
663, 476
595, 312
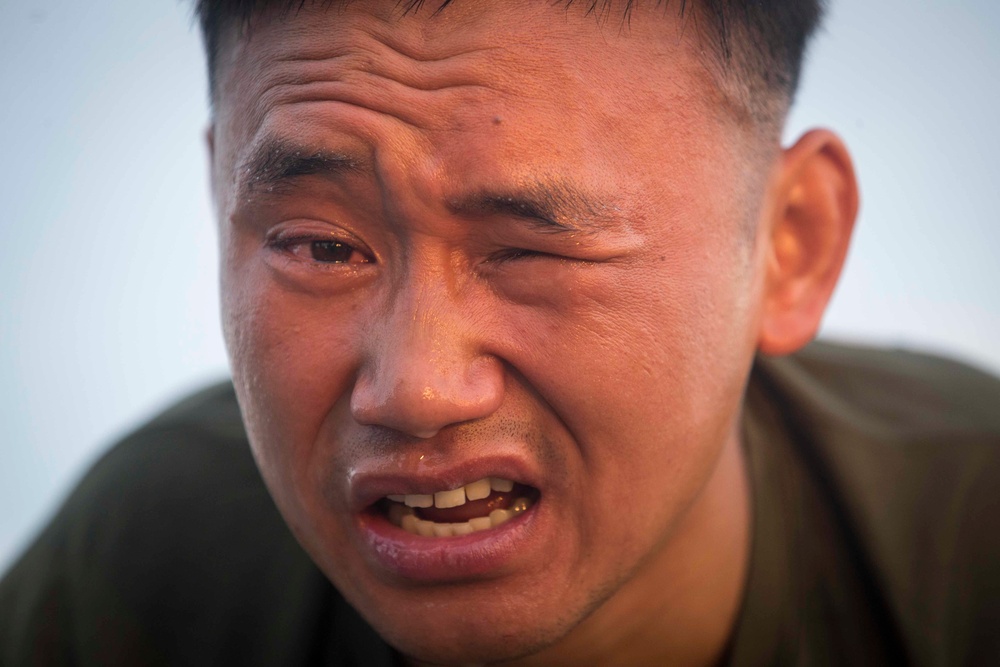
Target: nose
425, 368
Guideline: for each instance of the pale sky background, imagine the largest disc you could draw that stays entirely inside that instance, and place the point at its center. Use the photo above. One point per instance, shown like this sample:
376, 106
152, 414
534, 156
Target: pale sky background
108, 250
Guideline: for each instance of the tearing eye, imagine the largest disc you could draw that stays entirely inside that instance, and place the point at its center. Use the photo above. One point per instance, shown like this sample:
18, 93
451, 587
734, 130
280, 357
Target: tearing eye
318, 248
331, 252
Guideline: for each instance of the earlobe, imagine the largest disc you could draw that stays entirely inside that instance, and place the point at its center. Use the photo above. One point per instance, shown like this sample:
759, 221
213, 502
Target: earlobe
815, 197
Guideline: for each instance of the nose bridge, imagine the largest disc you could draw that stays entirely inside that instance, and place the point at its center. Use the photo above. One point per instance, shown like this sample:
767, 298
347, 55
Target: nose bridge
425, 331
425, 366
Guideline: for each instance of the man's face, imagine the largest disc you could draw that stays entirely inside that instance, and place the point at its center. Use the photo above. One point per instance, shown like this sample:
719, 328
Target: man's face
500, 242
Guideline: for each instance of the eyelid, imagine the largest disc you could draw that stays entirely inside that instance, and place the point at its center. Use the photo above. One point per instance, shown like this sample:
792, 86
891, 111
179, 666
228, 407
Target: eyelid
311, 229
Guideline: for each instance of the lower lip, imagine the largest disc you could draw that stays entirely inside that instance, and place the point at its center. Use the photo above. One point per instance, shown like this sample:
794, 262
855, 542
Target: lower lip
448, 559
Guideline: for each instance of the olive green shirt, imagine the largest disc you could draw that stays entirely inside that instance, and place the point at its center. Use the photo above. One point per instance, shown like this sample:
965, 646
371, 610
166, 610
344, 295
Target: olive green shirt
876, 536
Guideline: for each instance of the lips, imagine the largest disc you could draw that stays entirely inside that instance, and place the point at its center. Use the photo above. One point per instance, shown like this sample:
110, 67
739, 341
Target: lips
446, 537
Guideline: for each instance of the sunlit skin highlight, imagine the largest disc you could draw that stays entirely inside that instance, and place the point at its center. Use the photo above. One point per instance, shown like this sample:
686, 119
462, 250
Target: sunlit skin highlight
549, 270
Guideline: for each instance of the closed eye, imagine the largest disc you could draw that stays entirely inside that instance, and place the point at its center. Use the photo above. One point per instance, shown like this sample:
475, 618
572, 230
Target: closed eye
518, 253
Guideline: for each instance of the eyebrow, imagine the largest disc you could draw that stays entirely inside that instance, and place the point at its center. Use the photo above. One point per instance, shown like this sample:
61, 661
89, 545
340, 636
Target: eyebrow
276, 161
551, 206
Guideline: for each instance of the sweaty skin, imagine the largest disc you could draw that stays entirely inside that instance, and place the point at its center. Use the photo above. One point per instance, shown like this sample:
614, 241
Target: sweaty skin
505, 240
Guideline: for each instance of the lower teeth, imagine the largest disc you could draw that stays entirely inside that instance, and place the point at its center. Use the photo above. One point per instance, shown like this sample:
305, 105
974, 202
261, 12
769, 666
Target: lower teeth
405, 518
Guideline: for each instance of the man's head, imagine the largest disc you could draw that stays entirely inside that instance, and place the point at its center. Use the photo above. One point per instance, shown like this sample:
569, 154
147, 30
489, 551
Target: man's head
505, 240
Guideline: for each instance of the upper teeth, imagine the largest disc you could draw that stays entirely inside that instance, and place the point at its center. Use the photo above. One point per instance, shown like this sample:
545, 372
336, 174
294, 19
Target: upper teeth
453, 498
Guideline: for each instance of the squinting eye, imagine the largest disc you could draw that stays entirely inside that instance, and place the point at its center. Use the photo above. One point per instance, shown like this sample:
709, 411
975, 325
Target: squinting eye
518, 253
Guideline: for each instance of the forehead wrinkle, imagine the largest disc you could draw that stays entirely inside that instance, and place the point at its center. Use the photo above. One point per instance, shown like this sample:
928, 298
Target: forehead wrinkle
380, 96
375, 78
307, 64
412, 52
466, 67
324, 72
316, 49
423, 53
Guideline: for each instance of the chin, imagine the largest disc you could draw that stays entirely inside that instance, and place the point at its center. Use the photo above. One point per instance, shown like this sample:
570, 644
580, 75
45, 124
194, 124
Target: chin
467, 638
481, 622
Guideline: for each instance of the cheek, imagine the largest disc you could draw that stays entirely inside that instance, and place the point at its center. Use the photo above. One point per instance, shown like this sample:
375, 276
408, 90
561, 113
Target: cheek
645, 367
293, 361
667, 329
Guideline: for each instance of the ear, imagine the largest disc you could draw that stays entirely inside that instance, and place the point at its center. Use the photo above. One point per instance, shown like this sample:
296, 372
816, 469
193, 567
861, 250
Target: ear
815, 202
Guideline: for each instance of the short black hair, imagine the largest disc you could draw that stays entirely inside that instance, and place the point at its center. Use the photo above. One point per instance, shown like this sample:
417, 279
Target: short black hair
760, 44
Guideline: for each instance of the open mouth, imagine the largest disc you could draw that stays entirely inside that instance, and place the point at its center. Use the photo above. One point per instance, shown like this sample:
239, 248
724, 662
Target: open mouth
479, 505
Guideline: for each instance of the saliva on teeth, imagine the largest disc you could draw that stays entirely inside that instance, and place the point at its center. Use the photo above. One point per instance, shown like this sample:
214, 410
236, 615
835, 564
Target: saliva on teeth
401, 511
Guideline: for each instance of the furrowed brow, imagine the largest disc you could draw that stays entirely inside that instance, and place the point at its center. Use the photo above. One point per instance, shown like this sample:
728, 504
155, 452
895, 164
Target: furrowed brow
551, 207
278, 162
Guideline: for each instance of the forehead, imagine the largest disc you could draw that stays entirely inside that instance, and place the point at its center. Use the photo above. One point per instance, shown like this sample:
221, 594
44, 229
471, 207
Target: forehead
521, 48
314, 29
535, 86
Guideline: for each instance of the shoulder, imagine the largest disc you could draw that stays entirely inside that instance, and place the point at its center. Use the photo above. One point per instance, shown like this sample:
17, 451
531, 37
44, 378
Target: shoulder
197, 443
900, 393
167, 546
908, 446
